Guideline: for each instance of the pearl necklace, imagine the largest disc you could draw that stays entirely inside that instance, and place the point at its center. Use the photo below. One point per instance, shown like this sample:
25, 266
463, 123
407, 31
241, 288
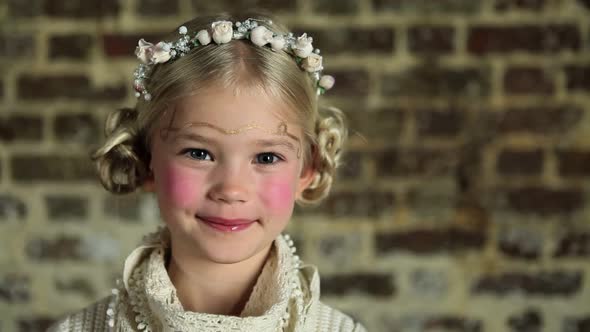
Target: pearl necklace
296, 295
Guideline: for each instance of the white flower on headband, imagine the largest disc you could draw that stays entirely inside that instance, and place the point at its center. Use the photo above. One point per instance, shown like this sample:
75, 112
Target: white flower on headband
303, 47
277, 43
260, 36
203, 37
312, 63
149, 53
326, 82
161, 53
143, 51
222, 31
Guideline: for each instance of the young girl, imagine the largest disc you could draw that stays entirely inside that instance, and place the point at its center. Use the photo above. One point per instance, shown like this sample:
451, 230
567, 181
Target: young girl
228, 134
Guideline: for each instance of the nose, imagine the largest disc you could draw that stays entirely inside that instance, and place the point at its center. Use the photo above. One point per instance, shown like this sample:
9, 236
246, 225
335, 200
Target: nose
230, 185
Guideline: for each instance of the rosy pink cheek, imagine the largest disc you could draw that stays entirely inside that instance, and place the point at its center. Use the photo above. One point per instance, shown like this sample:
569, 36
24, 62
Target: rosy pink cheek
181, 186
278, 194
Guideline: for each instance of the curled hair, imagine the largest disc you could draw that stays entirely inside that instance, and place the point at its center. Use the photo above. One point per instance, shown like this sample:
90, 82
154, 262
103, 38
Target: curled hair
325, 156
121, 160
124, 158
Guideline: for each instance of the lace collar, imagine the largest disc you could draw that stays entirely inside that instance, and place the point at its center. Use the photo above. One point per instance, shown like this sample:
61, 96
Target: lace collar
278, 301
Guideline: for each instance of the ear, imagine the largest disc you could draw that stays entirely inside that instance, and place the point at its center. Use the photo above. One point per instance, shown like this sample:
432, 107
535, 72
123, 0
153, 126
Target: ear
149, 182
305, 179
148, 185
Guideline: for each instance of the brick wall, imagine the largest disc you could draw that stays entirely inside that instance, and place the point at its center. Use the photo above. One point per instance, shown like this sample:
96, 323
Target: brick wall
464, 204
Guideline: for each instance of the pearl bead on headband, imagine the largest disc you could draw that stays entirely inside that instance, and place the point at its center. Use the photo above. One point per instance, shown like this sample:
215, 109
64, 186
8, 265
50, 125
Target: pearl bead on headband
221, 32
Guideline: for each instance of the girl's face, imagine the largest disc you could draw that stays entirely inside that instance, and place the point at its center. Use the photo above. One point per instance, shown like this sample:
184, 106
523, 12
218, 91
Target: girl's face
226, 171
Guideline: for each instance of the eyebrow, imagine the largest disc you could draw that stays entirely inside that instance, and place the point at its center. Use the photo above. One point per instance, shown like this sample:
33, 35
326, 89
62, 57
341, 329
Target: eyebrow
193, 137
263, 143
267, 143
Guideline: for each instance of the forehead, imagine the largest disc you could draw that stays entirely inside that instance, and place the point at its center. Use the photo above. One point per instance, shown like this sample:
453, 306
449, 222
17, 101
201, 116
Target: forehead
230, 108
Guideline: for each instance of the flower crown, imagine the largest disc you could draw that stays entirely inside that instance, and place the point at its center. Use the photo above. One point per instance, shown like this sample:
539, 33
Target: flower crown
223, 32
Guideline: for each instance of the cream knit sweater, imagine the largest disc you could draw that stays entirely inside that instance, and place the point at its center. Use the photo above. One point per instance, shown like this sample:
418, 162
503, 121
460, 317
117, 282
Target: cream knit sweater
147, 301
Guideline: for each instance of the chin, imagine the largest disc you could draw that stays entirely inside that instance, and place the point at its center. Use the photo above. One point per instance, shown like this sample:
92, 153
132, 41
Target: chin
231, 248
235, 254
220, 246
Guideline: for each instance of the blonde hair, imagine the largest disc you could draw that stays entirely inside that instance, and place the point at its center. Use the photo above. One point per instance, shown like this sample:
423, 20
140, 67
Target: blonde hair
124, 158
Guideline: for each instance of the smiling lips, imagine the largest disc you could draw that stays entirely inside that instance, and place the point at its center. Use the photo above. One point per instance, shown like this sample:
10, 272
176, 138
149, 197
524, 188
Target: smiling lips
227, 225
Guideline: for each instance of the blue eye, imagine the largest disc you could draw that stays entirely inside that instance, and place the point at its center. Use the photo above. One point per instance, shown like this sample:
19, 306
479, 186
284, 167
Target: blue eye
267, 158
198, 154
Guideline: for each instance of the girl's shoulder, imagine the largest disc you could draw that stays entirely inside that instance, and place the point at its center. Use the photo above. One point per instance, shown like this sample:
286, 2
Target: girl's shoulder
328, 319
92, 318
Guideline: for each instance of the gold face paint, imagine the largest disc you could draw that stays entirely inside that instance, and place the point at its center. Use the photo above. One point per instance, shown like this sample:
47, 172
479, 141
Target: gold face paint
280, 131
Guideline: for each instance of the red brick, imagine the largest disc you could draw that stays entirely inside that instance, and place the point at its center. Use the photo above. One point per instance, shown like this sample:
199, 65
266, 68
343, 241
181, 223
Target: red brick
350, 83
380, 123
439, 123
547, 283
25, 168
367, 40
429, 80
81, 9
414, 162
24, 8
572, 163
16, 46
157, 7
67, 86
352, 166
573, 244
428, 6
545, 201
532, 5
34, 323
242, 5
66, 207
579, 322
520, 162
360, 204
126, 208
535, 39
431, 39
21, 128
12, 207
380, 285
77, 46
514, 250
528, 80
63, 247
530, 320
80, 128
578, 78
542, 120
49, 87
78, 286
430, 241
123, 45
451, 323
468, 170
15, 288
116, 92
331, 7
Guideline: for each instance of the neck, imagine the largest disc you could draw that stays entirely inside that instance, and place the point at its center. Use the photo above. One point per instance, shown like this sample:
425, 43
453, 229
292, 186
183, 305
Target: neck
214, 288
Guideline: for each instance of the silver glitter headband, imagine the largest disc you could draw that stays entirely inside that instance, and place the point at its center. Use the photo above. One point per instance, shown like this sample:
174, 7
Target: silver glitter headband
221, 32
